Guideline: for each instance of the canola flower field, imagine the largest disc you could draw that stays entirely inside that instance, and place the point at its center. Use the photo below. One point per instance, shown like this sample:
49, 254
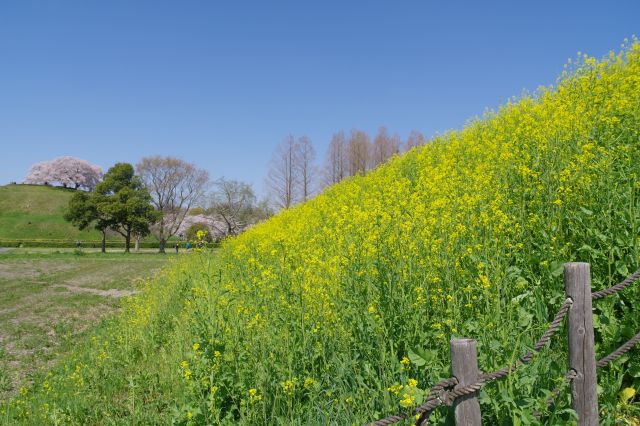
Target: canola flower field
340, 310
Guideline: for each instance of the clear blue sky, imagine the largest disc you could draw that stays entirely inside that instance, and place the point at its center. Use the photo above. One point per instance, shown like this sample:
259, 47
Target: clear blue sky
220, 84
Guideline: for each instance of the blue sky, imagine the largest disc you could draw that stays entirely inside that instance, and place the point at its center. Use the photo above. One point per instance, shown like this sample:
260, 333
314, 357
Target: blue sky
220, 84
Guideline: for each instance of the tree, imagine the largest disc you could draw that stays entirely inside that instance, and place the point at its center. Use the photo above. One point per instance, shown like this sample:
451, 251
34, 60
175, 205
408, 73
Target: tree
83, 212
282, 180
192, 232
67, 171
415, 139
358, 152
175, 186
214, 225
336, 160
384, 147
261, 211
305, 159
125, 203
233, 202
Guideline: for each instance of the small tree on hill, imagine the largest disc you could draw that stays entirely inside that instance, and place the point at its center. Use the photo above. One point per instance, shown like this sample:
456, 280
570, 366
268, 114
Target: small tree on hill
125, 203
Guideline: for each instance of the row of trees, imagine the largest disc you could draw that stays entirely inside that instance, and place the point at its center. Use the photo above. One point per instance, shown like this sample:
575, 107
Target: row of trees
165, 190
158, 199
294, 176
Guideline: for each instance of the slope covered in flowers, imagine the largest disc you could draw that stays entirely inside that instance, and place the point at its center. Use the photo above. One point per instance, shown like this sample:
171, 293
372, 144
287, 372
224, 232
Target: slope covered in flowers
341, 309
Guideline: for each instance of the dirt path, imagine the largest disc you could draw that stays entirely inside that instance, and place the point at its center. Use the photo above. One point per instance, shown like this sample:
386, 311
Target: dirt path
49, 300
113, 292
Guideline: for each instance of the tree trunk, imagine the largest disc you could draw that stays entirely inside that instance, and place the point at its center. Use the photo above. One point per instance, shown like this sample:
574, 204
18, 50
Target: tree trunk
127, 242
163, 243
103, 245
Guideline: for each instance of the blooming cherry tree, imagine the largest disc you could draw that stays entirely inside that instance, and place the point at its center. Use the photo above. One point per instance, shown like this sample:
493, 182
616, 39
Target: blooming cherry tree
66, 171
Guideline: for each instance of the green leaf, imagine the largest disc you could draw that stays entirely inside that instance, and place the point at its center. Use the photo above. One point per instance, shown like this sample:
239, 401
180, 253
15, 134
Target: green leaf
557, 268
596, 321
525, 317
634, 370
622, 269
416, 359
586, 211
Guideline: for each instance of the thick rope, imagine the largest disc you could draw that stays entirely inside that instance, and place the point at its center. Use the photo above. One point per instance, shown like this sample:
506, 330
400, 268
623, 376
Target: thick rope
616, 288
553, 328
619, 352
439, 395
433, 400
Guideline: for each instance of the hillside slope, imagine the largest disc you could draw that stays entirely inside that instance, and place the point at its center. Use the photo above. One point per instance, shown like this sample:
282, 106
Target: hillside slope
340, 310
34, 216
35, 212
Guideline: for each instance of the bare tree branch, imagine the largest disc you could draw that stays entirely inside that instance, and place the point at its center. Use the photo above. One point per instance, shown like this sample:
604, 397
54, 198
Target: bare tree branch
305, 159
358, 149
175, 186
283, 178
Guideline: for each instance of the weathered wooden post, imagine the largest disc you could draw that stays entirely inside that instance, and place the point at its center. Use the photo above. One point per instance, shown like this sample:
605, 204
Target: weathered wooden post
582, 356
464, 366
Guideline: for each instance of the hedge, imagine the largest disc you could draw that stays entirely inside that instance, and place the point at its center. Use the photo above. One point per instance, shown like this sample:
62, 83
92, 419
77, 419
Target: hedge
86, 243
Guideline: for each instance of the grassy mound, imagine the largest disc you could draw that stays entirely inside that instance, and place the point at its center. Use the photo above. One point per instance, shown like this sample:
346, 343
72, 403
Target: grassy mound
35, 212
340, 310
32, 216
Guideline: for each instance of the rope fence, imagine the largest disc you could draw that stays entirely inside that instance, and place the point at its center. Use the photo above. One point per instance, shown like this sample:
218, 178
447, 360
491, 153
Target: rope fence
580, 376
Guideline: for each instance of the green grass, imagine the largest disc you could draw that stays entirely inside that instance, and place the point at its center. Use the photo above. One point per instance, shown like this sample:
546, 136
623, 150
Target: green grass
36, 212
50, 298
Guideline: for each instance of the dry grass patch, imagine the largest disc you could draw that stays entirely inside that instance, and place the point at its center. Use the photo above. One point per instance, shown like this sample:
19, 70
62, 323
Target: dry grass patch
51, 299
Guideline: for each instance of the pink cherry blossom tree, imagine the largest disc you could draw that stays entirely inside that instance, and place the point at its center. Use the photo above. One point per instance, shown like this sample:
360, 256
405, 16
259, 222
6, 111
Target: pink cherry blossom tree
66, 171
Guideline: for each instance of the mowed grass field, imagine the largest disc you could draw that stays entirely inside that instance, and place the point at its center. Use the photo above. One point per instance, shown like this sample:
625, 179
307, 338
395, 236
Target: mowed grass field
50, 298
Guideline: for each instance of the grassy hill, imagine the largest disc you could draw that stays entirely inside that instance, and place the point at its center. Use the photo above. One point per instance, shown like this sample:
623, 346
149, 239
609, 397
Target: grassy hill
340, 310
35, 212
33, 215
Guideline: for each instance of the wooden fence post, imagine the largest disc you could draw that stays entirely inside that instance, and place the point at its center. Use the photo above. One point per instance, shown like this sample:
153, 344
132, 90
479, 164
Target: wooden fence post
582, 356
464, 366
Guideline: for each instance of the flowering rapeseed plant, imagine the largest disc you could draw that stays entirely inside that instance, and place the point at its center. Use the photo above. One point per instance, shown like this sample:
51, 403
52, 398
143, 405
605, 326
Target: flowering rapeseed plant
359, 290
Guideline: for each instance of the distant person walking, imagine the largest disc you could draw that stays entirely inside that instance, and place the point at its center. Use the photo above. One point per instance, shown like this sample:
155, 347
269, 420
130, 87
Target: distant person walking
188, 246
78, 244
177, 247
